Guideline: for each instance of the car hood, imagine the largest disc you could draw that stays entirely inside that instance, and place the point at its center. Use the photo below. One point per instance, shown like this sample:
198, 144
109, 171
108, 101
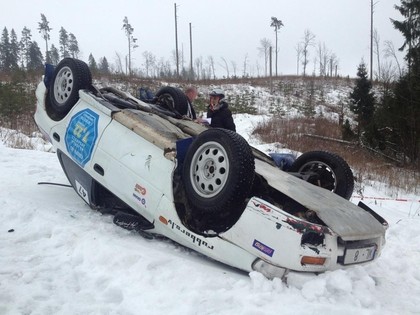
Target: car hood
346, 219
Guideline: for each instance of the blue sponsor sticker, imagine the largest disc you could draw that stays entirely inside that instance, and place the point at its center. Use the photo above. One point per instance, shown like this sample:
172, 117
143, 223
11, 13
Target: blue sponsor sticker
263, 248
81, 135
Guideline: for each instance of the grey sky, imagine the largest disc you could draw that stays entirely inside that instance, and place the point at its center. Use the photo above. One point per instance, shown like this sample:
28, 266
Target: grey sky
231, 29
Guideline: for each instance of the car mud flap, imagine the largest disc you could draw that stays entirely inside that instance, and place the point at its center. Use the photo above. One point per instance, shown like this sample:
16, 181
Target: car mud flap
132, 222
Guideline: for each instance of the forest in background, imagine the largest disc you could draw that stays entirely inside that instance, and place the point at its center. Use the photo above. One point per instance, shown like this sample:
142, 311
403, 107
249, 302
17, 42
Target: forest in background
385, 119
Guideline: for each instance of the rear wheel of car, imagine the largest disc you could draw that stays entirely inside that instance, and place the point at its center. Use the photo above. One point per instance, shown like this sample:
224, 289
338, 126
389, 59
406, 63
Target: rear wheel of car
326, 170
173, 99
218, 173
70, 76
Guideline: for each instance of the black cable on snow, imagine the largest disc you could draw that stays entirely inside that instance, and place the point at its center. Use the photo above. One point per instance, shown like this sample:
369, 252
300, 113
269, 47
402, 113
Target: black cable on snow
56, 184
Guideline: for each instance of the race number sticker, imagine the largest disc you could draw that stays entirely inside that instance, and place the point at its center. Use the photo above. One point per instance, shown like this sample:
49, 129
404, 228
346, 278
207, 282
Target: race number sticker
81, 135
82, 191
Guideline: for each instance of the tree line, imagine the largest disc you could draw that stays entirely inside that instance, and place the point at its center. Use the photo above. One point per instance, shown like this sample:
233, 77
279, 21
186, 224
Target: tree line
390, 123
25, 53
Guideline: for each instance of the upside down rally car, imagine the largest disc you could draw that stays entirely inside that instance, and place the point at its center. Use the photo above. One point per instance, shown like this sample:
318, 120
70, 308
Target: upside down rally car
202, 187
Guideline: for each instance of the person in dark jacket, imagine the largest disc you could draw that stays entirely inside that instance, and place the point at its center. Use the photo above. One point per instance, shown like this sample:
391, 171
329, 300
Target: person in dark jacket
191, 93
219, 112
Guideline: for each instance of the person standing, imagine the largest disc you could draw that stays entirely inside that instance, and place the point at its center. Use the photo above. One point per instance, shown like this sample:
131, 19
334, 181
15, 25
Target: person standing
219, 112
191, 93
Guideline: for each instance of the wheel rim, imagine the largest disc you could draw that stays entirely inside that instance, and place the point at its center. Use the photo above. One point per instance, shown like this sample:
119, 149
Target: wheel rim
63, 85
320, 174
168, 101
209, 169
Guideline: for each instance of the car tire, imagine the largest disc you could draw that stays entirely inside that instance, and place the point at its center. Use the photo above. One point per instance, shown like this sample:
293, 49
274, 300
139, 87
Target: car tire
173, 99
326, 170
218, 172
70, 76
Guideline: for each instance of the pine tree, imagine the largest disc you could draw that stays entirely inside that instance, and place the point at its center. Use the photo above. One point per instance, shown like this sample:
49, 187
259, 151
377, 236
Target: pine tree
73, 46
9, 51
92, 64
25, 44
14, 50
54, 55
399, 114
64, 43
45, 29
36, 58
131, 40
362, 103
104, 66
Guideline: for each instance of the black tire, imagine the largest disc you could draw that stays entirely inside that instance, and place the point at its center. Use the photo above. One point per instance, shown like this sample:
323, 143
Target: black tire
173, 99
326, 170
218, 173
70, 76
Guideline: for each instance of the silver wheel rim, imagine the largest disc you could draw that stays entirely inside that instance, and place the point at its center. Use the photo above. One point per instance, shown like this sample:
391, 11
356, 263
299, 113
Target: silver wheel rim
209, 169
63, 85
313, 165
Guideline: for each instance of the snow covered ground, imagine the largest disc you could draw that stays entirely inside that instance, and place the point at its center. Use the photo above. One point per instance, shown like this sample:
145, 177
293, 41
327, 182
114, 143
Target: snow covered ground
57, 256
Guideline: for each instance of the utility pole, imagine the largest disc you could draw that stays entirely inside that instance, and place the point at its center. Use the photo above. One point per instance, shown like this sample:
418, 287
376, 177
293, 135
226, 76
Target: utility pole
176, 43
371, 39
191, 56
271, 71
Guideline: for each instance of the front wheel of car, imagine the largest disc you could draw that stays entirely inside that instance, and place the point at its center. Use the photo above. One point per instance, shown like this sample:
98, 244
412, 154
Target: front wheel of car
70, 76
218, 173
173, 99
326, 170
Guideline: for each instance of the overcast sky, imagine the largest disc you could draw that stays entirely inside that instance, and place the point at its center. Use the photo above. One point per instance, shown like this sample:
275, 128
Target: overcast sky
231, 29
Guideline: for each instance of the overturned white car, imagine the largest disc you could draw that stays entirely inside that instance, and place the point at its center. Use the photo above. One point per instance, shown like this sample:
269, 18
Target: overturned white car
204, 188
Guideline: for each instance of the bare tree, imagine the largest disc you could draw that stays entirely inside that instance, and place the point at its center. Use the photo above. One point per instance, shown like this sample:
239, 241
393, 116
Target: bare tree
118, 63
234, 67
298, 49
210, 61
333, 64
390, 52
264, 50
376, 45
257, 66
225, 66
149, 62
308, 41
277, 24
131, 40
323, 57
198, 62
244, 74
